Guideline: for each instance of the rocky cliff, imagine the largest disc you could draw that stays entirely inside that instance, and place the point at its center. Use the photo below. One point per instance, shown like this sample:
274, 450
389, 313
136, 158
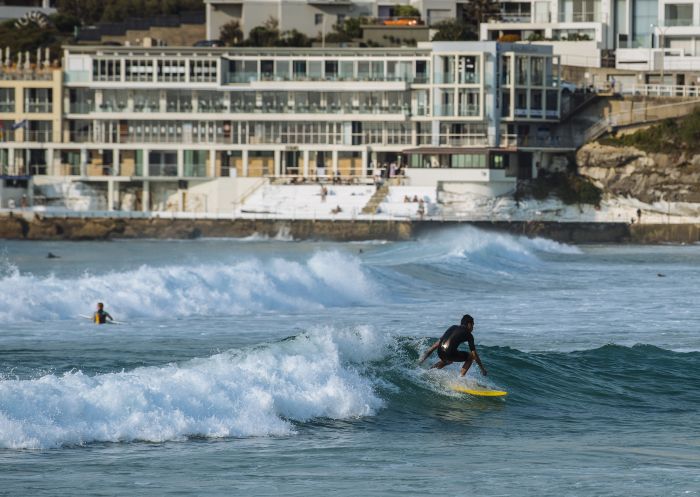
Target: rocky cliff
649, 177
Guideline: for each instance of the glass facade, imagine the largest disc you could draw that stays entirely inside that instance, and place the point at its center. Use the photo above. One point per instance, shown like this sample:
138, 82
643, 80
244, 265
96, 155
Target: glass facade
645, 18
277, 111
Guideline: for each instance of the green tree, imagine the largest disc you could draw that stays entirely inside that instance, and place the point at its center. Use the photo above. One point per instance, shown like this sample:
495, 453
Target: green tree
406, 11
293, 38
29, 38
349, 30
231, 33
455, 30
267, 35
93, 11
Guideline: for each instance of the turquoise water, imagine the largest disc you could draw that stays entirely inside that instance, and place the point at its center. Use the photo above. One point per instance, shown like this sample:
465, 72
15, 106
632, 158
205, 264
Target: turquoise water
269, 367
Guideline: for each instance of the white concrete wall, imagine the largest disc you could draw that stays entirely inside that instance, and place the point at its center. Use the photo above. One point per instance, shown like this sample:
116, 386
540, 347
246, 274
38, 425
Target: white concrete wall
574, 53
486, 190
430, 177
220, 194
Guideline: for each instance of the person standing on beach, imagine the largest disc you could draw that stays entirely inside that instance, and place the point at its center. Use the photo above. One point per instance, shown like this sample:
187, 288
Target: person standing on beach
448, 343
101, 315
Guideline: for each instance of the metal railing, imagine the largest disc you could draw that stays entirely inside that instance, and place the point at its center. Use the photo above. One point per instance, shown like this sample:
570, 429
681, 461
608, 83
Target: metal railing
25, 75
663, 90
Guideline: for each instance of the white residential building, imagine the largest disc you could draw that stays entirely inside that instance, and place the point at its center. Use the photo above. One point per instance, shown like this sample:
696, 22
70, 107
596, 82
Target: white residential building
657, 36
665, 40
146, 127
315, 17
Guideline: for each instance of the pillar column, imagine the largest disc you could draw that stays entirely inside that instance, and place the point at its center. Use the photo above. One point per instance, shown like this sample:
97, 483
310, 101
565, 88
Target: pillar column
305, 159
365, 157
244, 159
146, 197
110, 195
83, 161
116, 162
115, 195
212, 163
334, 162
278, 163
180, 163
146, 163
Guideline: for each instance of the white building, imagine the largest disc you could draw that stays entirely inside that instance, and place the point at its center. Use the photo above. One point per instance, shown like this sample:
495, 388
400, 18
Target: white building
146, 128
658, 36
665, 41
315, 17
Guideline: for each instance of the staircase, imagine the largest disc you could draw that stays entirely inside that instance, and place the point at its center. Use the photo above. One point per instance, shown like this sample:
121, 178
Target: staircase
376, 199
637, 116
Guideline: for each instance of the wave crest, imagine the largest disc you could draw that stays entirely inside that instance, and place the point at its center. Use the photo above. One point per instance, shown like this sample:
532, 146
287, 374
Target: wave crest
259, 392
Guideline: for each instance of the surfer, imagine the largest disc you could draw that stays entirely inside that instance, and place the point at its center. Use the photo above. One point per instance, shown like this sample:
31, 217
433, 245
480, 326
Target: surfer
101, 315
448, 343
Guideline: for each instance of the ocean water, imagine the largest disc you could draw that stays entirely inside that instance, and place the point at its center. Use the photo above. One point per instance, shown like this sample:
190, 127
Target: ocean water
277, 367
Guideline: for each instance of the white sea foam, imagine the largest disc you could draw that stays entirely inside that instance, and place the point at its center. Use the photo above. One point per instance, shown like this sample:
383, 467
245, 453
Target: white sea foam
255, 392
326, 279
476, 245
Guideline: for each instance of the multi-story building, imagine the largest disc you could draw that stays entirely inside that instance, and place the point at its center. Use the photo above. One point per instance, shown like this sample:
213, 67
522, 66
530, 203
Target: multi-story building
651, 36
148, 122
664, 38
30, 116
314, 17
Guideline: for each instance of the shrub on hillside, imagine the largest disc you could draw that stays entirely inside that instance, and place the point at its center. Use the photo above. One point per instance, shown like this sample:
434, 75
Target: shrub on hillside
671, 136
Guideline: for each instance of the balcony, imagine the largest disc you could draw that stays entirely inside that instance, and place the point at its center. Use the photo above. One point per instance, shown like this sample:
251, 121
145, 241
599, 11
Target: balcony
678, 22
38, 107
162, 170
464, 140
195, 170
38, 136
580, 16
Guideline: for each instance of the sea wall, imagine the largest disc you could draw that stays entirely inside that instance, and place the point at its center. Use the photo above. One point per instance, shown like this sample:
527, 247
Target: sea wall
24, 226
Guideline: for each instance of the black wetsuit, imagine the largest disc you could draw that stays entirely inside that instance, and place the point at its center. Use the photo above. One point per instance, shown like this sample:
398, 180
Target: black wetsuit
101, 316
447, 350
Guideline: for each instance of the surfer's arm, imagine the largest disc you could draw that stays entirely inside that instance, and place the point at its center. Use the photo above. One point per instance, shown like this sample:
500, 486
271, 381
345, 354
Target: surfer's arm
107, 315
475, 354
427, 353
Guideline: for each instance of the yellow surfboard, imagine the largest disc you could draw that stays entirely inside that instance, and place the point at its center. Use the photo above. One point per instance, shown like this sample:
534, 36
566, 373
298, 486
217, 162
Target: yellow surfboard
479, 392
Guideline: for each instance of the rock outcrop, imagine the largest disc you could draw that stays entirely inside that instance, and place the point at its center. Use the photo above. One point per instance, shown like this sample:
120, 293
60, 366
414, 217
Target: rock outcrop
629, 172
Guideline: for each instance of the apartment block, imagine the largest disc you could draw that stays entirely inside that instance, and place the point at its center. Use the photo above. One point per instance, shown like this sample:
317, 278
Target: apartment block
149, 124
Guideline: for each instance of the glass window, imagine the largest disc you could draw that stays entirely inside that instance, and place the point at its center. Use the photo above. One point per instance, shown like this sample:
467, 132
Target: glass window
363, 70
267, 70
347, 69
7, 99
299, 68
331, 69
679, 14
468, 69
282, 70
315, 69
469, 102
421, 71
537, 71
378, 70
644, 19
521, 70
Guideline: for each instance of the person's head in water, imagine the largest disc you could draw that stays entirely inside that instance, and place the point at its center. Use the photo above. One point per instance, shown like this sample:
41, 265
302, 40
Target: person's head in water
467, 320
100, 306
